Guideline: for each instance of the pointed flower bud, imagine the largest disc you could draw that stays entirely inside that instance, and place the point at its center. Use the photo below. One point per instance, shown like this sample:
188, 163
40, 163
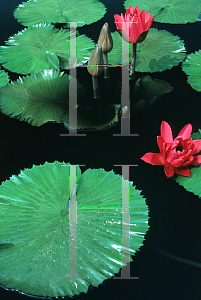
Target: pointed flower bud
105, 39
95, 63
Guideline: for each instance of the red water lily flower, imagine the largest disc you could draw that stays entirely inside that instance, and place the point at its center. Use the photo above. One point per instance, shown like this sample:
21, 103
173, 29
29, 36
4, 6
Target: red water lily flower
136, 26
175, 155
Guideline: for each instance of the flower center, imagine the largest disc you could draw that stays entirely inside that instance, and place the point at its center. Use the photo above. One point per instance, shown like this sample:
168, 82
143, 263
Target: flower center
179, 147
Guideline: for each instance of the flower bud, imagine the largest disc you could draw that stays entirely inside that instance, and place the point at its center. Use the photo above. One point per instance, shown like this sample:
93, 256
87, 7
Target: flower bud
105, 39
95, 63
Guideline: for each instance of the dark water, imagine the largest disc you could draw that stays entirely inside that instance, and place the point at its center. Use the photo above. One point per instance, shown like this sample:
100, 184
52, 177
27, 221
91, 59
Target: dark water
175, 222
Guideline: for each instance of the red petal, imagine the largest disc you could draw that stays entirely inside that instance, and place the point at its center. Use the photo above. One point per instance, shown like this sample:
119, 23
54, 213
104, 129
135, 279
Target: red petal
183, 171
185, 133
153, 158
160, 142
130, 10
169, 170
166, 132
134, 29
182, 159
196, 161
137, 11
119, 20
189, 161
150, 22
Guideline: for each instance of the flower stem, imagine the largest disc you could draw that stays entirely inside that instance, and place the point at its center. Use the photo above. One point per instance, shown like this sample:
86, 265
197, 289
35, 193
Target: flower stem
133, 59
95, 86
106, 69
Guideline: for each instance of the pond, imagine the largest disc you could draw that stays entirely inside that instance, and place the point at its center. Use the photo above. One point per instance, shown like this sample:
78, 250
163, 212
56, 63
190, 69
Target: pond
168, 264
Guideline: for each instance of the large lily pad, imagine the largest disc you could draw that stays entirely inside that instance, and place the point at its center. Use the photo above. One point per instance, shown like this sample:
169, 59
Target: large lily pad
37, 98
169, 11
41, 47
160, 51
35, 258
35, 12
192, 67
44, 97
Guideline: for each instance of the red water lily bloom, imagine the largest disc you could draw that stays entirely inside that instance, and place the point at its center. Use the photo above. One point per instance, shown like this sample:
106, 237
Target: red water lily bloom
175, 155
136, 26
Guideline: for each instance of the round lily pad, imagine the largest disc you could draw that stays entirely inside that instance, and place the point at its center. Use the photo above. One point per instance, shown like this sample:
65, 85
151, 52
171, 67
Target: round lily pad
192, 67
160, 51
39, 98
169, 11
42, 47
34, 12
36, 239
44, 97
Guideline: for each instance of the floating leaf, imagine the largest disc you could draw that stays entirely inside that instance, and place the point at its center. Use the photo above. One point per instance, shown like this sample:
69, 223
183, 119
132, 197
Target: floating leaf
192, 183
4, 78
149, 89
39, 98
35, 12
160, 51
169, 11
192, 67
38, 263
44, 97
42, 47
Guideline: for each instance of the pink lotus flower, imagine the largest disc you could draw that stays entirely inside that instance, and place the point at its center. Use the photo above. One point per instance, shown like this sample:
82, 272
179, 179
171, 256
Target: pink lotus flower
137, 24
175, 155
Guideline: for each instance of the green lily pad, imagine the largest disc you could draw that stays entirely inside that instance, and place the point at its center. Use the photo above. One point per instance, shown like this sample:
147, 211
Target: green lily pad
4, 78
35, 258
35, 12
42, 47
160, 51
39, 98
192, 183
169, 11
192, 67
44, 97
